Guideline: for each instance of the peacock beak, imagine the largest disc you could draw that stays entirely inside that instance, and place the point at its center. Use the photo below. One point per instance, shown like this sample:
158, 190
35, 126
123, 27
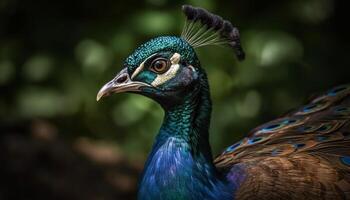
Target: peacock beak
121, 83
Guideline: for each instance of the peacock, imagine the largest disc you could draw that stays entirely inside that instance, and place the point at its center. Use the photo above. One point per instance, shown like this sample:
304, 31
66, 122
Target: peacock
304, 154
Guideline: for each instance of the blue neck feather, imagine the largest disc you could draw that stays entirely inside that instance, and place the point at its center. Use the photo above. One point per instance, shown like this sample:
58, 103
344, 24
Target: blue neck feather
180, 165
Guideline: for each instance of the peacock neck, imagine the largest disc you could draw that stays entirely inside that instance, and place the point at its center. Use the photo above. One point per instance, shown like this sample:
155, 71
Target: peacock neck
180, 165
190, 120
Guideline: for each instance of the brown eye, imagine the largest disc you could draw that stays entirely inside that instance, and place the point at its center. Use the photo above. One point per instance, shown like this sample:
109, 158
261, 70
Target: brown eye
160, 65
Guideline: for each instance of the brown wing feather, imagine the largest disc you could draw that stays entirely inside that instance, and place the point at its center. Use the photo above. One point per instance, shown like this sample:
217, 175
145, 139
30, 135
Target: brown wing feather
299, 176
302, 155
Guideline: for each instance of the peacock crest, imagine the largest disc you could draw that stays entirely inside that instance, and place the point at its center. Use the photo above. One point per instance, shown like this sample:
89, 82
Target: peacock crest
203, 28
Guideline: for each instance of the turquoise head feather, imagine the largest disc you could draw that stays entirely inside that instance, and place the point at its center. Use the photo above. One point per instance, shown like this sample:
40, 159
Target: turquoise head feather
165, 68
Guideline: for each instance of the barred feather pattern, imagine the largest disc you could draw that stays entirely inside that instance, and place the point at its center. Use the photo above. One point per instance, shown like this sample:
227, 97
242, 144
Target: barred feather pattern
304, 154
203, 28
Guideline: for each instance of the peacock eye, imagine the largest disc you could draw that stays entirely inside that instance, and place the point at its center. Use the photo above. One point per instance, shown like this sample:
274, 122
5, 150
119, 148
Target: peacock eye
160, 65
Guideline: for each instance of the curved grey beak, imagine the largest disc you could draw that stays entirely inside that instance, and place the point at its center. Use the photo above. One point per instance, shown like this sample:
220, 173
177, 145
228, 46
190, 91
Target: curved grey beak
121, 83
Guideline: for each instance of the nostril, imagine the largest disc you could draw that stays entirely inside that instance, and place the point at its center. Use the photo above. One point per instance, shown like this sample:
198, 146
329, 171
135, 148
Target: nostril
122, 78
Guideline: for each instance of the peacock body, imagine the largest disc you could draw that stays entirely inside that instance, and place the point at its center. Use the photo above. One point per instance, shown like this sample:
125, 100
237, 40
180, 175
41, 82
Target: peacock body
304, 154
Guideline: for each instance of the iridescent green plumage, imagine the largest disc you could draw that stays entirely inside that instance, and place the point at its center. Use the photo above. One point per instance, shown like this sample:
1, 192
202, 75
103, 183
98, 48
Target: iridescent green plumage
301, 155
161, 44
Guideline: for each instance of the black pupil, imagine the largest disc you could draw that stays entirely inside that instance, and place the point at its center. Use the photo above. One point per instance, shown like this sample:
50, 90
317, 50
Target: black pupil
159, 65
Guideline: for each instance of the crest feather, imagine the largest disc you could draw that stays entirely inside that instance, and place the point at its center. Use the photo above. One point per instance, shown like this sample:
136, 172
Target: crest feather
203, 28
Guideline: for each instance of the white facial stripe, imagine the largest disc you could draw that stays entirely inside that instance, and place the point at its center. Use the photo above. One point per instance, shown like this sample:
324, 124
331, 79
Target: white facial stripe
162, 78
175, 59
192, 68
140, 68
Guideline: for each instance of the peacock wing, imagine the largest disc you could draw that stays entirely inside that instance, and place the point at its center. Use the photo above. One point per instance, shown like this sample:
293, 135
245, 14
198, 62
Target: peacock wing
305, 154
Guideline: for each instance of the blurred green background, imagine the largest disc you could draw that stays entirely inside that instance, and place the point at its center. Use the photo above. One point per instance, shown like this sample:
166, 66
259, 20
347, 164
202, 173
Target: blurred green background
57, 142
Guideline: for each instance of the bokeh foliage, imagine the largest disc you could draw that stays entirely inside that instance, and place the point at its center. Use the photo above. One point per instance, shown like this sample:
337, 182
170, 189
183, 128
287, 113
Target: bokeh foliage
55, 55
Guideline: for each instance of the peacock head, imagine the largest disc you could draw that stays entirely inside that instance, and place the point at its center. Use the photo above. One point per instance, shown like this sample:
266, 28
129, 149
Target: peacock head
166, 68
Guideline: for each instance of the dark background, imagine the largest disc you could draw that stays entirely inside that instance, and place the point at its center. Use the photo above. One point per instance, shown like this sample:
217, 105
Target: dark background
57, 142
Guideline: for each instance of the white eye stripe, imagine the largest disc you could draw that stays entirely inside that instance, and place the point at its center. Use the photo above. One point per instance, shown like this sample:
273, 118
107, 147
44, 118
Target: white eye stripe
192, 68
140, 67
138, 70
171, 73
162, 78
175, 59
